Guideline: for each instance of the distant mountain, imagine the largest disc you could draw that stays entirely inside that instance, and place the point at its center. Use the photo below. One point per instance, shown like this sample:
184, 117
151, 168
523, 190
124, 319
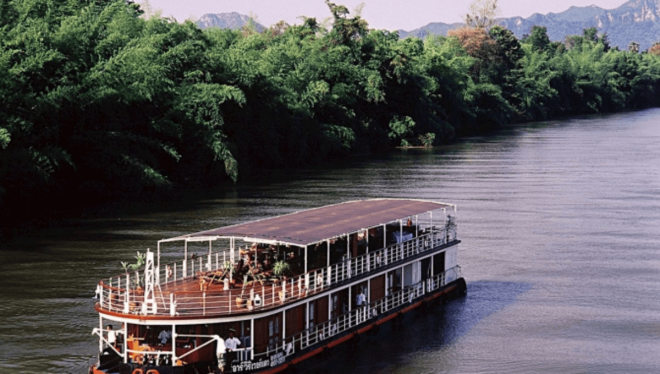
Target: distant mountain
231, 20
636, 20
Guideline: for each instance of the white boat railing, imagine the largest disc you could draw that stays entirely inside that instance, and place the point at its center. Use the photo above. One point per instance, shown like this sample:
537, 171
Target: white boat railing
124, 294
326, 330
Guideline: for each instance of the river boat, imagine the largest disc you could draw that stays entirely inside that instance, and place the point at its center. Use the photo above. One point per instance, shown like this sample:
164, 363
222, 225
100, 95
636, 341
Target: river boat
266, 296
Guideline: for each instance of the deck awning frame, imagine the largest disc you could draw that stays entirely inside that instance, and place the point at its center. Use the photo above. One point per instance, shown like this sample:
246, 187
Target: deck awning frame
217, 234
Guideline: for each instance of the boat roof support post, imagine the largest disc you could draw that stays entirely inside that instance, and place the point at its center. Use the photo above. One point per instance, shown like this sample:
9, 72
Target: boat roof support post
125, 342
431, 216
210, 247
174, 358
284, 327
327, 259
158, 263
100, 334
252, 338
232, 244
305, 249
185, 258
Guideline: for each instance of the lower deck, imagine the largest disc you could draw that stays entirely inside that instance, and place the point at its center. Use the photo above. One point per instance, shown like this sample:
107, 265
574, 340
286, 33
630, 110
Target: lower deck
275, 355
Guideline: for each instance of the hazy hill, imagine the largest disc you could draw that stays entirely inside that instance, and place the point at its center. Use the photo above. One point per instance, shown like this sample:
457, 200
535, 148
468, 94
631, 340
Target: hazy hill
231, 20
636, 20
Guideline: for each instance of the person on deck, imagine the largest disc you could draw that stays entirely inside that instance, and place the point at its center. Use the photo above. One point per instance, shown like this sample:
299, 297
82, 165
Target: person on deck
232, 343
360, 299
112, 336
164, 336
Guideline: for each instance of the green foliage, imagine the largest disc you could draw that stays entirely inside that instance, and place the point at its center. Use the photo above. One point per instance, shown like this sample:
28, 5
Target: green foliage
281, 268
400, 128
539, 39
427, 139
141, 260
97, 102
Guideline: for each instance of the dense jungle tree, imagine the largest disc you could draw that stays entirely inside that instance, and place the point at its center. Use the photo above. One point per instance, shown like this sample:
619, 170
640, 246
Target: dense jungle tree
97, 102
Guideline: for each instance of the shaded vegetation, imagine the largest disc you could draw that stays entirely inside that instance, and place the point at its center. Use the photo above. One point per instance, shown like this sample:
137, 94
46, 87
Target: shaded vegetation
97, 102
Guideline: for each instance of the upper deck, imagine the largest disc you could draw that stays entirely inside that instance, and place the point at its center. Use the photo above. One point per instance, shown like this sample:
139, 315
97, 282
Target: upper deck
268, 263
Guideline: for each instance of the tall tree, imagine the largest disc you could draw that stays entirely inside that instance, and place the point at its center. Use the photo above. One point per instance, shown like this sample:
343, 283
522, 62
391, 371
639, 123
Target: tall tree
482, 14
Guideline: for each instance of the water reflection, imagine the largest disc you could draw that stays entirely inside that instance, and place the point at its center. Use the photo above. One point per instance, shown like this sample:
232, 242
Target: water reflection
416, 338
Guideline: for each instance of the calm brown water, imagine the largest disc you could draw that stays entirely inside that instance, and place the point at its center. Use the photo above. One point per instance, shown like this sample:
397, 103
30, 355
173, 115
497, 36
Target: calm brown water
560, 223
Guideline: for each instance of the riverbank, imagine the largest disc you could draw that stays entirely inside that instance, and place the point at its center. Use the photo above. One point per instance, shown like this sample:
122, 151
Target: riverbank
123, 108
69, 212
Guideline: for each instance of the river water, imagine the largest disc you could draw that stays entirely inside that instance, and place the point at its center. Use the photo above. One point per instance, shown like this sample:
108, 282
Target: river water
560, 223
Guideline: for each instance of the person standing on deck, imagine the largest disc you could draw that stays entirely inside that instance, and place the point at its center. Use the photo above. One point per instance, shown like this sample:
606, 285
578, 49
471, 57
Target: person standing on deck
232, 344
360, 299
164, 336
112, 336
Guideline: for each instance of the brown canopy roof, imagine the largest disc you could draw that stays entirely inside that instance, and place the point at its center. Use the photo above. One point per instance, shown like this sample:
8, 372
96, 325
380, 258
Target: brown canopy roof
315, 225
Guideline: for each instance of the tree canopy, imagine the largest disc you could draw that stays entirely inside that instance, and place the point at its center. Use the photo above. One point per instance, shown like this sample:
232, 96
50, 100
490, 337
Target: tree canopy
97, 102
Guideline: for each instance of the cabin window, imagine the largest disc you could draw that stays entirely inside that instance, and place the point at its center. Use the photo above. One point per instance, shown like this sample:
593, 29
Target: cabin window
274, 333
312, 306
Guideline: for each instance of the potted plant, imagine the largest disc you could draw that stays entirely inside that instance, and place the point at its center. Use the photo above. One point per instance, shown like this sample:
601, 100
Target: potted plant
141, 259
281, 269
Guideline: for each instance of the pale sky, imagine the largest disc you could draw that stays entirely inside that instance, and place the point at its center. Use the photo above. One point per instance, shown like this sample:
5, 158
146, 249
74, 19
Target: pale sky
381, 14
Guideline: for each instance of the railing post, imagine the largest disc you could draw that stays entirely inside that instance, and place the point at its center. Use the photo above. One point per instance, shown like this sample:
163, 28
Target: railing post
368, 262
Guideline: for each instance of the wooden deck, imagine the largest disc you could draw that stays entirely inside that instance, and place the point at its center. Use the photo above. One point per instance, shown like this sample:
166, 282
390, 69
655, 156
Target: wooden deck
195, 299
